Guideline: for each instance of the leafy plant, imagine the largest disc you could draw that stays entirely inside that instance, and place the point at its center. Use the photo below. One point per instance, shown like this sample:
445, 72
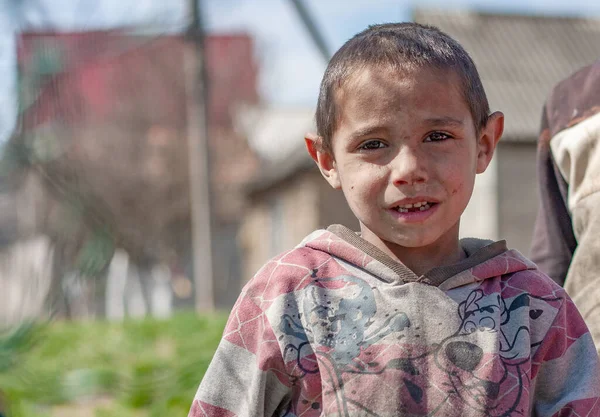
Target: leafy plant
134, 368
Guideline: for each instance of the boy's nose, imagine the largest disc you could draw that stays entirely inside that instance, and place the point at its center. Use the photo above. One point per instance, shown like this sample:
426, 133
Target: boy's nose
408, 167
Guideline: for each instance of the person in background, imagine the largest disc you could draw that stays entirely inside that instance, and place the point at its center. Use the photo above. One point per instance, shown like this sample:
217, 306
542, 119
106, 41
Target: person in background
566, 239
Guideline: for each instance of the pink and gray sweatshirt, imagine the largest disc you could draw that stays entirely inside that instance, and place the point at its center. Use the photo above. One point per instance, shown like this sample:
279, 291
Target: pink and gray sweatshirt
335, 327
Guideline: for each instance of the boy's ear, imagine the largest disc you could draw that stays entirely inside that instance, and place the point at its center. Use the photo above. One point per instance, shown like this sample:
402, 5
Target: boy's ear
323, 159
488, 139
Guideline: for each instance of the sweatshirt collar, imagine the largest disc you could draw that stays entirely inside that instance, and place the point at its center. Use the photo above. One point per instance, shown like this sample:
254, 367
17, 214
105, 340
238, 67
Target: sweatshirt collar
478, 252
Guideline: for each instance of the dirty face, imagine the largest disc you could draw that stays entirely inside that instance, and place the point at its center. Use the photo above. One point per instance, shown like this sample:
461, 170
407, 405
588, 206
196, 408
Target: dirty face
405, 154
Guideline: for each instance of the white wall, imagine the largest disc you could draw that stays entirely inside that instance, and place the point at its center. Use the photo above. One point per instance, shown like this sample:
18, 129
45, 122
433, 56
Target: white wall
480, 218
25, 272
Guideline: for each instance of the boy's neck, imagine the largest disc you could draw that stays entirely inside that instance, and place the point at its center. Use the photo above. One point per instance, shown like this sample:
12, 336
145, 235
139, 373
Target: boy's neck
420, 259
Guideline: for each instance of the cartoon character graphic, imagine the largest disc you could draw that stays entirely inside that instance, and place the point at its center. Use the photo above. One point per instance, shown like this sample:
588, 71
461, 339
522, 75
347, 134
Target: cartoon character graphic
479, 378
480, 365
340, 318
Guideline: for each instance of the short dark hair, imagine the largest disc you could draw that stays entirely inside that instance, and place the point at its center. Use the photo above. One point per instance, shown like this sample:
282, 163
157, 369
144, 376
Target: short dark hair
402, 46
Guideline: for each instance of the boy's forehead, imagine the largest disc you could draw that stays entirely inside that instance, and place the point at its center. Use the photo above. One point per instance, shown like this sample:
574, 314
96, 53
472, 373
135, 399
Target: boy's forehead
373, 100
390, 89
365, 77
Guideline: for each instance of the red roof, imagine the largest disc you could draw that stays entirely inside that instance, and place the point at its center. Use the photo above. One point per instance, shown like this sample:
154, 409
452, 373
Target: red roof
122, 99
100, 77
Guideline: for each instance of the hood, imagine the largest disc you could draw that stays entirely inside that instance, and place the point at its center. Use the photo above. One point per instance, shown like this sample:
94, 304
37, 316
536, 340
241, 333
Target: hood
485, 259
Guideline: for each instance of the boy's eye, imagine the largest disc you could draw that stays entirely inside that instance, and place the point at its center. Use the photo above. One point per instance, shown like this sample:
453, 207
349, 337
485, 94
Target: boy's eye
436, 137
372, 144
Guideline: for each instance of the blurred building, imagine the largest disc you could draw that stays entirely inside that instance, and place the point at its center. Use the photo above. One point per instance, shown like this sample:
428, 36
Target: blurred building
289, 198
104, 124
519, 59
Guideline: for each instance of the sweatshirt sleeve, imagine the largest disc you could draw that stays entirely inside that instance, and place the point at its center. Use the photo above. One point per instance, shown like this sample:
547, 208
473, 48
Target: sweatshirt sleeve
566, 368
247, 375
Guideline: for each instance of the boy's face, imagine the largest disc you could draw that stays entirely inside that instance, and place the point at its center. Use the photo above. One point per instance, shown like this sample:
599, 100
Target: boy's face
405, 154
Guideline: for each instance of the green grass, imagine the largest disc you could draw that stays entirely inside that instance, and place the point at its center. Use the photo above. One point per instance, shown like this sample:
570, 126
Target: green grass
131, 369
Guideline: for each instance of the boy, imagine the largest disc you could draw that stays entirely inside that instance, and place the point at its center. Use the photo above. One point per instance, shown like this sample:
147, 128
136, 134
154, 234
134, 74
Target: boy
403, 318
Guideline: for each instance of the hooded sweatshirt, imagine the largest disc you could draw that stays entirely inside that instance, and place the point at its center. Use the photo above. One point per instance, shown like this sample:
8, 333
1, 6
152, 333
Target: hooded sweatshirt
335, 327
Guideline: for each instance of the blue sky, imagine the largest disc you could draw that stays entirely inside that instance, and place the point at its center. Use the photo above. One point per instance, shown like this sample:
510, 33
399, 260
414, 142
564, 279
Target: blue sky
291, 67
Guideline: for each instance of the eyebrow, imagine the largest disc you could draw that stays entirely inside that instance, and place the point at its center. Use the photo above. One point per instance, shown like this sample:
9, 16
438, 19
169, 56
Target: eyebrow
433, 121
444, 121
367, 131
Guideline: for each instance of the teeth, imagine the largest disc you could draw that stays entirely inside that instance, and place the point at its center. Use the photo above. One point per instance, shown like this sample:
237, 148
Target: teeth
416, 205
422, 206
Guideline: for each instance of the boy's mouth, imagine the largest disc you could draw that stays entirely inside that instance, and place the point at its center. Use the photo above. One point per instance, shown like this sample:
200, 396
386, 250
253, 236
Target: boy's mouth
415, 207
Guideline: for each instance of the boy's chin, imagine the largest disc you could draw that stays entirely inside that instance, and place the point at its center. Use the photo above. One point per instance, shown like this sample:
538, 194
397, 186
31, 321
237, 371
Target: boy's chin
408, 241
426, 238
414, 242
